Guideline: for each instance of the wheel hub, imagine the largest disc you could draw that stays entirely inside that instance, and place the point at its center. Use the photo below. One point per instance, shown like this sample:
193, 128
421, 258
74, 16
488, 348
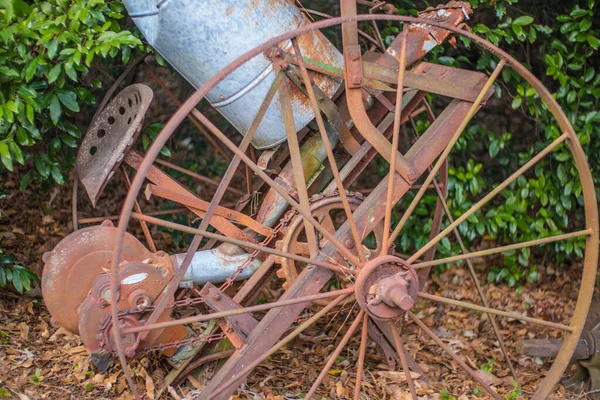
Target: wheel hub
386, 287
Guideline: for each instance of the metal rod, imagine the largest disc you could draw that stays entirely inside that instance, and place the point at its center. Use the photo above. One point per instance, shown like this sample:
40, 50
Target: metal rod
282, 192
335, 354
297, 167
488, 197
238, 311
330, 156
502, 249
306, 324
501, 313
95, 220
193, 120
454, 356
217, 197
389, 202
400, 350
362, 352
138, 209
242, 243
447, 150
197, 176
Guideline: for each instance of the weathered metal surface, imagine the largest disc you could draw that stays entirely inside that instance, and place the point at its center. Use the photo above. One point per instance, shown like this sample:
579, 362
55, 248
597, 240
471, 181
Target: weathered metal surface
386, 287
441, 133
216, 34
216, 265
109, 137
71, 267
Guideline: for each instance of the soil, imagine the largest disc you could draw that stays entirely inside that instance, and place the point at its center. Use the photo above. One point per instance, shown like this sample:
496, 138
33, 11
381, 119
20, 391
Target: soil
43, 361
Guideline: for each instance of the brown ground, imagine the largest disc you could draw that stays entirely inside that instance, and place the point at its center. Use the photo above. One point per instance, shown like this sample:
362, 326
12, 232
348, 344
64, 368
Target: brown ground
39, 360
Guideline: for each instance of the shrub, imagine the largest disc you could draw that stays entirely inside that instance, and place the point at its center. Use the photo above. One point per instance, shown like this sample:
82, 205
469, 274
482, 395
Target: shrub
47, 49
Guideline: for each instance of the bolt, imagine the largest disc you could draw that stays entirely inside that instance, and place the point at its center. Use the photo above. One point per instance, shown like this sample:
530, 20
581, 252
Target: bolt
216, 296
354, 56
349, 243
356, 80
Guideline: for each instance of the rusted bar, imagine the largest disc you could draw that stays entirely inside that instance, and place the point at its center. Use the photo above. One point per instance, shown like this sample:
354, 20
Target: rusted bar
330, 156
488, 310
239, 311
201, 206
276, 347
138, 209
465, 121
296, 160
95, 220
335, 354
400, 350
362, 352
488, 197
454, 356
197, 176
193, 120
389, 203
241, 243
502, 249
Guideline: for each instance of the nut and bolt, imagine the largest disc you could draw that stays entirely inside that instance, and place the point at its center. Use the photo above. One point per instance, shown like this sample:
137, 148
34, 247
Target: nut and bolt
216, 296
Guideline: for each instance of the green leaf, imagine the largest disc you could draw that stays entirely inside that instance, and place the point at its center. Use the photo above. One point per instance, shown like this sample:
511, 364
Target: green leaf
57, 176
54, 73
69, 99
516, 103
30, 69
55, 109
16, 281
42, 167
16, 152
25, 181
523, 20
594, 42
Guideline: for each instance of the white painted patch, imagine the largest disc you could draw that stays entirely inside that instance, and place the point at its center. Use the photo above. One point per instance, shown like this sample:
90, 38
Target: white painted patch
428, 45
135, 278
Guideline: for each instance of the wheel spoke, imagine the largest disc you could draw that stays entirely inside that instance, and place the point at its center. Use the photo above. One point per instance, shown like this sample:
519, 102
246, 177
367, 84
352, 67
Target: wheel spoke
329, 151
389, 203
474, 108
488, 197
400, 350
282, 192
442, 202
502, 249
296, 159
138, 209
217, 197
335, 354
362, 352
454, 356
239, 311
277, 346
494, 311
211, 235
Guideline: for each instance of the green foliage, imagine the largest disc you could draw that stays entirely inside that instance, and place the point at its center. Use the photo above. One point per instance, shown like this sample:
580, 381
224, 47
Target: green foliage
563, 52
17, 275
47, 49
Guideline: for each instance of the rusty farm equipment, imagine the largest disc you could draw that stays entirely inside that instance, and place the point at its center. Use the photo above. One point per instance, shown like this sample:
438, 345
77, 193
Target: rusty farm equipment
314, 119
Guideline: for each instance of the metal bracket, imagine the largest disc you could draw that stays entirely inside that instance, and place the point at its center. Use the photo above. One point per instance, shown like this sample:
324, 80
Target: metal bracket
238, 327
354, 69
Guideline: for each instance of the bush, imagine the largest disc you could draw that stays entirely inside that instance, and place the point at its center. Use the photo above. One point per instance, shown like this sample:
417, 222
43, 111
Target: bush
47, 49
563, 52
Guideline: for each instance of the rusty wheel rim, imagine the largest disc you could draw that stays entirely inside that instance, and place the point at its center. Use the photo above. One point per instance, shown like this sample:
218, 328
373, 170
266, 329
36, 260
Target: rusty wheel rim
590, 232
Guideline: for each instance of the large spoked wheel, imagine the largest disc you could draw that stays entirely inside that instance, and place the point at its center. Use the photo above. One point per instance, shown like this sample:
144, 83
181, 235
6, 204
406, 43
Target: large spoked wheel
390, 290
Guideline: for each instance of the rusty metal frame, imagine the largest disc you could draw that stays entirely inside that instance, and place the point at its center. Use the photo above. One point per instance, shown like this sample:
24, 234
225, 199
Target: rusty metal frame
312, 279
